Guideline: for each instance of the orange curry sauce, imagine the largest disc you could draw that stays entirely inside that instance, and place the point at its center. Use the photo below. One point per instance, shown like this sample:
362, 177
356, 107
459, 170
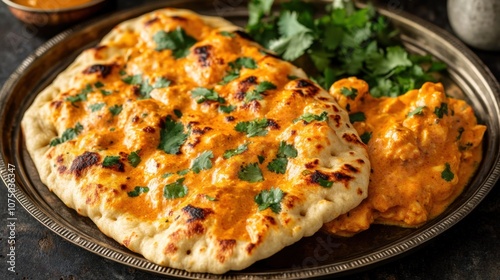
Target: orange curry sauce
424, 148
51, 4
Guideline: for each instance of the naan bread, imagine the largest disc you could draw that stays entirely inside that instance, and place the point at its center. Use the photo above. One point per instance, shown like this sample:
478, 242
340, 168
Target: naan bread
189, 144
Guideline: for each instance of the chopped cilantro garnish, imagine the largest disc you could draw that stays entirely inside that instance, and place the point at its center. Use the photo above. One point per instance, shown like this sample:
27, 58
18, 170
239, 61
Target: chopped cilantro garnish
166, 175
133, 80
134, 159
227, 34
325, 183
253, 128
177, 41
144, 87
210, 198
308, 117
137, 191
417, 111
239, 150
82, 96
172, 136
460, 132
261, 158
357, 117
447, 175
161, 83
285, 151
106, 92
110, 161
98, 85
227, 109
202, 162
115, 109
96, 107
175, 189
292, 77
256, 94
270, 199
68, 134
349, 93
236, 66
365, 137
251, 173
441, 110
183, 172
203, 94
178, 113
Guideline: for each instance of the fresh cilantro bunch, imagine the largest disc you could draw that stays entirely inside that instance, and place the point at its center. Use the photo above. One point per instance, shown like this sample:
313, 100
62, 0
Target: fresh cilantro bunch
345, 41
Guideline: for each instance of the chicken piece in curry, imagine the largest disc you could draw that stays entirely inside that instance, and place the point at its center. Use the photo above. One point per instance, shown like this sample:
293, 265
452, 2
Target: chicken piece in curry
423, 146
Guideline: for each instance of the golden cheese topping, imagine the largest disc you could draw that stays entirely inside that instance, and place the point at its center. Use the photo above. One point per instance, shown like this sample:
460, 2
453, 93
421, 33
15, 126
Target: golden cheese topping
180, 120
423, 146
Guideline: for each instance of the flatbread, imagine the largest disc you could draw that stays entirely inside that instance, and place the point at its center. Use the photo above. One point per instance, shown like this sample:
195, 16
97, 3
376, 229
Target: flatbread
189, 156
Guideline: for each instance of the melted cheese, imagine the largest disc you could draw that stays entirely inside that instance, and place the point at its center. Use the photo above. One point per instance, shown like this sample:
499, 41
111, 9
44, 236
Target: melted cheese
424, 149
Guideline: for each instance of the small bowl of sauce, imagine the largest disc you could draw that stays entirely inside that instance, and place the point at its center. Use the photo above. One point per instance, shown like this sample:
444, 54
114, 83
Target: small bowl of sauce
54, 12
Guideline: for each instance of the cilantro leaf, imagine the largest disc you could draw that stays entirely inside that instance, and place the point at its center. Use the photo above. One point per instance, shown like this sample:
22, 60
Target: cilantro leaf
365, 137
239, 150
106, 92
161, 83
261, 158
278, 165
236, 66
256, 94
286, 150
295, 37
177, 41
115, 109
417, 111
183, 172
145, 89
81, 96
227, 34
203, 94
172, 136
210, 198
175, 189
251, 173
96, 107
134, 159
349, 93
357, 117
395, 57
441, 110
202, 162
67, 135
133, 80
227, 109
447, 174
109, 161
253, 128
270, 199
308, 117
257, 9
137, 191
98, 84
321, 179
178, 113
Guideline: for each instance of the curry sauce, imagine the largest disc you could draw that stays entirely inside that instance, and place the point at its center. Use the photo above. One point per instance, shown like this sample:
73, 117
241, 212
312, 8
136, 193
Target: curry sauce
423, 146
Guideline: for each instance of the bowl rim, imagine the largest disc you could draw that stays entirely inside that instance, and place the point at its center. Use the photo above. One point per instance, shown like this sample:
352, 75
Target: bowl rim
12, 4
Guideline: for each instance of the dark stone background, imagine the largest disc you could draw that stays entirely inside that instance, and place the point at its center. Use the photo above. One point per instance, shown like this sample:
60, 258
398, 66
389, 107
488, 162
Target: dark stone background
469, 250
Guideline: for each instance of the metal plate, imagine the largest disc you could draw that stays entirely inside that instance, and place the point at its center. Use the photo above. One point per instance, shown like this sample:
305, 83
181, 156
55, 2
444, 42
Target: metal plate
318, 255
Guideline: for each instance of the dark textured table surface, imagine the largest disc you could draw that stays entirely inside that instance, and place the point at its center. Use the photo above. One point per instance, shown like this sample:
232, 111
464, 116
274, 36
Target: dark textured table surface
469, 250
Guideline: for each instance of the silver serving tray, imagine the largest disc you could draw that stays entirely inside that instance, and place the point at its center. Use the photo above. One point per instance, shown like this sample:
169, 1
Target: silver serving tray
315, 256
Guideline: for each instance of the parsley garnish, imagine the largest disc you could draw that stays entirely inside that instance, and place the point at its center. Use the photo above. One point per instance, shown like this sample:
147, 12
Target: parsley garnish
285, 151
239, 150
447, 175
96, 107
253, 128
115, 109
236, 66
417, 111
172, 136
137, 191
308, 117
110, 161
202, 162
441, 110
203, 94
357, 117
227, 109
270, 199
177, 41
251, 173
256, 94
67, 135
134, 159
294, 37
175, 189
349, 93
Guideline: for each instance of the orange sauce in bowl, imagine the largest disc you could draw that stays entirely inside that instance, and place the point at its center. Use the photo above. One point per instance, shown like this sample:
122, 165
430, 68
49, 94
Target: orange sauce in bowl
51, 4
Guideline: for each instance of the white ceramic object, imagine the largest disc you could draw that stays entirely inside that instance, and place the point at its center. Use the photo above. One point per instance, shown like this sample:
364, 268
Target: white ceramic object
476, 22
